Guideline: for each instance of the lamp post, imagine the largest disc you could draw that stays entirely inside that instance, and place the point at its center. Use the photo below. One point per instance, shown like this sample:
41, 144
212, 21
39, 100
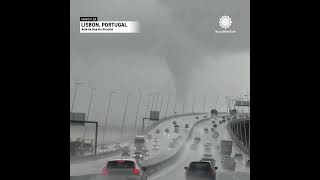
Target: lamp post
124, 115
85, 129
105, 125
135, 123
167, 106
74, 95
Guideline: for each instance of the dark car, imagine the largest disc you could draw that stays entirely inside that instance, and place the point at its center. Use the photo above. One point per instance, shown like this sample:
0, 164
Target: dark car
223, 121
186, 126
138, 155
215, 126
200, 170
197, 117
158, 131
220, 122
125, 153
174, 122
167, 130
124, 169
197, 139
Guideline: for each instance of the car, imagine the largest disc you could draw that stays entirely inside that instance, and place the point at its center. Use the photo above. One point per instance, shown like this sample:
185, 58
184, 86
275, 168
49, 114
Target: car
176, 130
211, 160
223, 121
208, 144
175, 140
197, 117
171, 146
220, 122
213, 122
138, 155
102, 148
158, 131
149, 136
207, 155
186, 126
215, 134
248, 163
215, 126
223, 117
206, 130
117, 146
212, 129
126, 148
155, 147
197, 139
207, 149
125, 154
155, 141
124, 169
203, 170
228, 119
205, 116
174, 122
238, 156
145, 152
228, 163
167, 130
176, 126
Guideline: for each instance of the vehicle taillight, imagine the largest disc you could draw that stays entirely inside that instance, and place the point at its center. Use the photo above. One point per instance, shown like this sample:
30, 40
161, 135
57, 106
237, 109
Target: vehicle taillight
104, 171
211, 173
136, 171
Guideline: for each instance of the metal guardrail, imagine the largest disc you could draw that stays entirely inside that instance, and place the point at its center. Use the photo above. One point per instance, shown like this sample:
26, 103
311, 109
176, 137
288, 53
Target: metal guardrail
235, 139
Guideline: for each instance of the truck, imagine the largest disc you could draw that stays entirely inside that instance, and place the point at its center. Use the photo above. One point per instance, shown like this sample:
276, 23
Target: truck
226, 147
139, 143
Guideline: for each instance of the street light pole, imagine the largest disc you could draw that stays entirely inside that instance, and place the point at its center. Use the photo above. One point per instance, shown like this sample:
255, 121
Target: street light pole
105, 125
167, 105
161, 103
204, 103
135, 123
124, 115
156, 102
85, 129
92, 89
74, 95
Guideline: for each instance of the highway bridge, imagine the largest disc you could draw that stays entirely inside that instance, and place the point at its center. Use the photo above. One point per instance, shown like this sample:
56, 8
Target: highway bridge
168, 164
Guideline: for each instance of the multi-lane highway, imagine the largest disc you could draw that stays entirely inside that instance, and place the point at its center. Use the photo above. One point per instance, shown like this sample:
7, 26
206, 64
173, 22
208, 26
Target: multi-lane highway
176, 170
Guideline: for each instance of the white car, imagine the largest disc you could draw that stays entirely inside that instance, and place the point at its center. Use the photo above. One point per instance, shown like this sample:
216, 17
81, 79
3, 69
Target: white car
155, 147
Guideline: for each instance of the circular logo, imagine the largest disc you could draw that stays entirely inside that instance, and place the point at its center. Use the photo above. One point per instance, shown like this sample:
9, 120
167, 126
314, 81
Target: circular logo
225, 22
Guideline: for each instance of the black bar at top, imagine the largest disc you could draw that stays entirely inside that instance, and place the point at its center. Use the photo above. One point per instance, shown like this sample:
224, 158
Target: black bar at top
88, 18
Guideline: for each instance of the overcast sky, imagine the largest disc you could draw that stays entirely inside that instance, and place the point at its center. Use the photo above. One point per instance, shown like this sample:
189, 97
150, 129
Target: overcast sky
177, 53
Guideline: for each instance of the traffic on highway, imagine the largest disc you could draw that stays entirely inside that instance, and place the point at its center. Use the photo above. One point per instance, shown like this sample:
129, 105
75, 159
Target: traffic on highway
188, 147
